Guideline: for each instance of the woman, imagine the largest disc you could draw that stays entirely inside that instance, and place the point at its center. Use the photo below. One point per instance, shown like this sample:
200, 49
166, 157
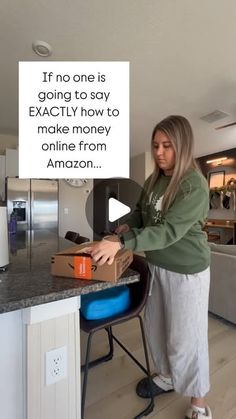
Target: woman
167, 226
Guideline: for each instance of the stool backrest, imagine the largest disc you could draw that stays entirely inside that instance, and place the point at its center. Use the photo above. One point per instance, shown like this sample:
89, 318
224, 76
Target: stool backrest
139, 290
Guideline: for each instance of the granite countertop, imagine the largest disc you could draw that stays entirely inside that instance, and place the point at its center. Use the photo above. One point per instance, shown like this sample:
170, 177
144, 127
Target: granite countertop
28, 281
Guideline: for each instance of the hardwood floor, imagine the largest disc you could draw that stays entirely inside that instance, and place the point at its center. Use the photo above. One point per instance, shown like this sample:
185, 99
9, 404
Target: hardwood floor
111, 386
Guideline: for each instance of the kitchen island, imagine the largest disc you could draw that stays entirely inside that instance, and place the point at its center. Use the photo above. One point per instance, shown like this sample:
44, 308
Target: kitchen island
39, 313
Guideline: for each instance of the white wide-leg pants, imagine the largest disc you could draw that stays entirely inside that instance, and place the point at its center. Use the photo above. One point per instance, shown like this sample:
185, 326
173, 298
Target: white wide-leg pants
176, 325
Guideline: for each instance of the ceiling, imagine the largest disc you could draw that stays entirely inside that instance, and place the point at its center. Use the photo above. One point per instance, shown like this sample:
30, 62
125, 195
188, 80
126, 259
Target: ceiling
181, 53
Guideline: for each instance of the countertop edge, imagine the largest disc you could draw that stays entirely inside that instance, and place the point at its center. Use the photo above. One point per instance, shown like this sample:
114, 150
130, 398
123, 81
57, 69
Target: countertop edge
64, 294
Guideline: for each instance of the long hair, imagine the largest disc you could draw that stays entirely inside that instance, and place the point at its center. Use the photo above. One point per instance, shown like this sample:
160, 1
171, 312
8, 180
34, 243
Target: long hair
179, 132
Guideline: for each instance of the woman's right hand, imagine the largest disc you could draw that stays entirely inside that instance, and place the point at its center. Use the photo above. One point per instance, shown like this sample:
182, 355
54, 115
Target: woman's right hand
123, 228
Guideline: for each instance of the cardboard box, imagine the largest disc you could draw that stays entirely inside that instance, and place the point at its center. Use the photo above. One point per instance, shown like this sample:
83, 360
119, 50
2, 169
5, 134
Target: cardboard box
74, 263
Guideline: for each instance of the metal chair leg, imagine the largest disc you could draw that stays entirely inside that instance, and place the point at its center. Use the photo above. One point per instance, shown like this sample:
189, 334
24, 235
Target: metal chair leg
86, 368
110, 340
91, 364
103, 358
107, 357
150, 406
146, 370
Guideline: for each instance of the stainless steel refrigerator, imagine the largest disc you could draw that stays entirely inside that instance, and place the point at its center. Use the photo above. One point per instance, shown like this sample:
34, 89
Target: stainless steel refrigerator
34, 203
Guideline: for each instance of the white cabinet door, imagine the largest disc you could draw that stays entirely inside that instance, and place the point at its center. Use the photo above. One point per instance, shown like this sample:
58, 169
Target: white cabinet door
12, 162
12, 368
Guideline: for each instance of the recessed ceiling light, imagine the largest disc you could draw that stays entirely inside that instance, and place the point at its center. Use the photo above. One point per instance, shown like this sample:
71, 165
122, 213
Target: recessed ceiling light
41, 48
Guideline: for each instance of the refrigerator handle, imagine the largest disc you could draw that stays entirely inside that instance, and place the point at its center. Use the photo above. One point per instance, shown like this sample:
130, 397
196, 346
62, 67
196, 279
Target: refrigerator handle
31, 209
28, 209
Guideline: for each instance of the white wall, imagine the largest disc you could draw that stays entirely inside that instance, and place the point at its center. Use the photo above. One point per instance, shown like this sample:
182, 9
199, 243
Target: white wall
149, 164
7, 141
72, 203
137, 168
141, 167
12, 163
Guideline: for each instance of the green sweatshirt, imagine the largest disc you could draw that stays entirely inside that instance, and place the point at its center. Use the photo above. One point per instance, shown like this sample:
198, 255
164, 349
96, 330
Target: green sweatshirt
174, 241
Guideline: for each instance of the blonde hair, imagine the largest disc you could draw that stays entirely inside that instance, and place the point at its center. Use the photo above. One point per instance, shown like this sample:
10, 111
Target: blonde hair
179, 132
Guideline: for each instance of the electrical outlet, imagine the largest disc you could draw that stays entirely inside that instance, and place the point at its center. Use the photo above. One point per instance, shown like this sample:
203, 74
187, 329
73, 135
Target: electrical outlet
56, 365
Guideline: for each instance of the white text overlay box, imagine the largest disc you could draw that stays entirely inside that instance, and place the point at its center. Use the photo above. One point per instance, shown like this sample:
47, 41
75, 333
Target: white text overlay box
73, 119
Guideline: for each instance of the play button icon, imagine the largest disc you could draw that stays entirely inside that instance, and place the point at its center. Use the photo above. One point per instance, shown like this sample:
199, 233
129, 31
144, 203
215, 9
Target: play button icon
116, 209
110, 204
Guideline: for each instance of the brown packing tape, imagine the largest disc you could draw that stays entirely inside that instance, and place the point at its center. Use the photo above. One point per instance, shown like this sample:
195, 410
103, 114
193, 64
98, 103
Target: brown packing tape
76, 248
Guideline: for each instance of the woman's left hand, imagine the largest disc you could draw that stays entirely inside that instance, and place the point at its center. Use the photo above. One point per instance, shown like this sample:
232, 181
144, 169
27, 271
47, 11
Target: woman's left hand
105, 250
